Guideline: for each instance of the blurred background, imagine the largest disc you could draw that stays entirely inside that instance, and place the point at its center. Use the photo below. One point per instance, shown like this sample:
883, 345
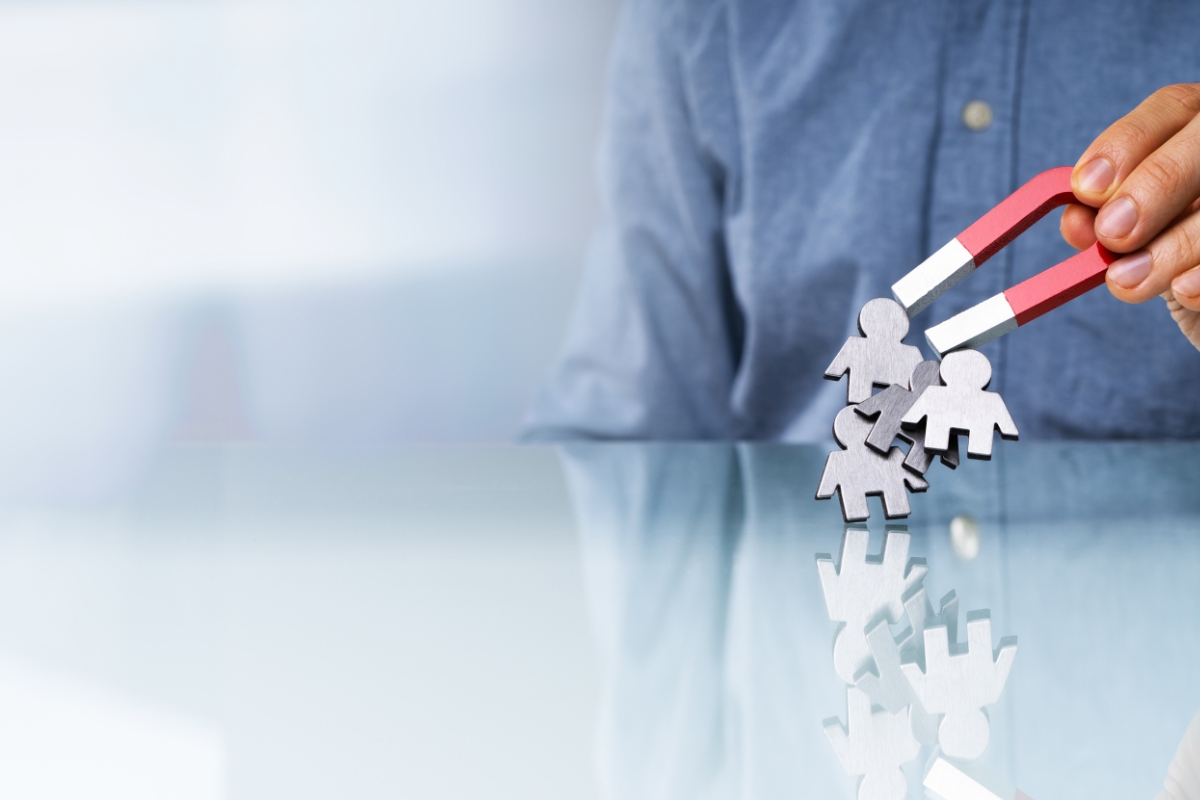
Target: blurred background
309, 222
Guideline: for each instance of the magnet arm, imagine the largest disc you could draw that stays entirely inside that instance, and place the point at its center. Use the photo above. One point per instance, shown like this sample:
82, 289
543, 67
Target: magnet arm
1061, 283
1022, 303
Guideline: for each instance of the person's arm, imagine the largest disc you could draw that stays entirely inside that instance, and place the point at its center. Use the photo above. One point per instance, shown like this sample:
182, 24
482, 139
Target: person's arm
1140, 185
655, 338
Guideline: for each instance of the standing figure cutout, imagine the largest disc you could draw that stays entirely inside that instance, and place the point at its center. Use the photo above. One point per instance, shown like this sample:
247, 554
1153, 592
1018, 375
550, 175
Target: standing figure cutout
962, 406
878, 357
858, 471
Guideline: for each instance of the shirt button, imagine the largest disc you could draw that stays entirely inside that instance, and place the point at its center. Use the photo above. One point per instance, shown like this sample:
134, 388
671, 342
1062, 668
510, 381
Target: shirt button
964, 537
977, 115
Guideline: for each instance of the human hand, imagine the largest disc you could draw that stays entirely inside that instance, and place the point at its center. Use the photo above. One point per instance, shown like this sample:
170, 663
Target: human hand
1143, 176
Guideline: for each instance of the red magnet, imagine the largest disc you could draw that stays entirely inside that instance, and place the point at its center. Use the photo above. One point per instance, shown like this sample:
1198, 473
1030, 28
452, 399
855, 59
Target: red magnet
982, 240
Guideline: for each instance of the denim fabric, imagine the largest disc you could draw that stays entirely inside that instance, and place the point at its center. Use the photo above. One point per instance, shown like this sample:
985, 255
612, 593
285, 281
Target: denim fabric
769, 166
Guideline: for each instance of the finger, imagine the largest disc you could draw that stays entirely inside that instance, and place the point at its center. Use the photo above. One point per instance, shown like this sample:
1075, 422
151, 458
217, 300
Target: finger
1078, 226
1188, 319
1150, 271
1114, 155
1154, 194
1186, 289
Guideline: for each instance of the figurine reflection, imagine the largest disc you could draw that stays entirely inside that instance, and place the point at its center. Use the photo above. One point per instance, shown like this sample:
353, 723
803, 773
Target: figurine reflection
716, 646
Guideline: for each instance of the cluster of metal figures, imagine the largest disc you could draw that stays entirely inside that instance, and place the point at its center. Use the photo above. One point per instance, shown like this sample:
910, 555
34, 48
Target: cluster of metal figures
924, 403
923, 689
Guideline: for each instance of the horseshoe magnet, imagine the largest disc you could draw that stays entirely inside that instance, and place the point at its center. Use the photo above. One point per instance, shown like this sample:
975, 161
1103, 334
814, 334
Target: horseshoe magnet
1014, 306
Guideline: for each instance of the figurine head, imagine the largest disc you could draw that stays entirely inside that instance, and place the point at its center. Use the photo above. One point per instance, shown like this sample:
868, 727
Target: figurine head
883, 319
966, 369
850, 428
925, 375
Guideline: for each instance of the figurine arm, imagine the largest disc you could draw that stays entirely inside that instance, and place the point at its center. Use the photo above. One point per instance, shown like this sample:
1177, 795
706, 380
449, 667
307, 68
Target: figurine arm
841, 363
829, 478
873, 404
1004, 420
917, 411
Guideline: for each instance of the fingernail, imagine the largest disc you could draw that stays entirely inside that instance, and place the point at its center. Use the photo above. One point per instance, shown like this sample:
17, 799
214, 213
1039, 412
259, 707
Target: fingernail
1097, 175
1129, 271
1117, 219
1187, 284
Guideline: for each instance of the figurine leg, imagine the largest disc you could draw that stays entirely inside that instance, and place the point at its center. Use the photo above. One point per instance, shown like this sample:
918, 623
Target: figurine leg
854, 505
858, 388
895, 503
950, 457
979, 444
918, 459
937, 437
884, 784
882, 435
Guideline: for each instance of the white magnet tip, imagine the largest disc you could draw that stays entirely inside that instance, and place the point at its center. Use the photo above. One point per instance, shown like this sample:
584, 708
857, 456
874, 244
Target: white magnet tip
951, 779
930, 279
974, 327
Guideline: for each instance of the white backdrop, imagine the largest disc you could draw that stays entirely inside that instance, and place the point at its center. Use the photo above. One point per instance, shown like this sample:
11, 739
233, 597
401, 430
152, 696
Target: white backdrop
314, 221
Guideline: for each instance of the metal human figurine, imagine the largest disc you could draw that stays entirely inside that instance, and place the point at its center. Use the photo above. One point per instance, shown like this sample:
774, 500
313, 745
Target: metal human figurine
858, 471
890, 405
873, 744
878, 357
958, 685
962, 405
862, 590
884, 680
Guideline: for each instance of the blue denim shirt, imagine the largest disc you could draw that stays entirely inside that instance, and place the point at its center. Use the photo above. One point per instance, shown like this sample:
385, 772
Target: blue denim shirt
768, 166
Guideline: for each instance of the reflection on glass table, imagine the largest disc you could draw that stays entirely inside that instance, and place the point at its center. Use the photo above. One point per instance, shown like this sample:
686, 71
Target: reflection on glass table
717, 646
593, 620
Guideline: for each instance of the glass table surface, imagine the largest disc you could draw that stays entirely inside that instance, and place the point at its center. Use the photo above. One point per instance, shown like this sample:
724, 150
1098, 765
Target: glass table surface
583, 621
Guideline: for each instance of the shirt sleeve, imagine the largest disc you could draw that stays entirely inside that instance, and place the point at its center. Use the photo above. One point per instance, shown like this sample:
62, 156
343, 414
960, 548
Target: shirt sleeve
652, 348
